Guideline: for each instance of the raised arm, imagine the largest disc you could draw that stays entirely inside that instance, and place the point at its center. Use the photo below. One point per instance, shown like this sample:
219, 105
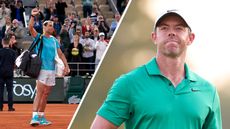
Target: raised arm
101, 123
34, 13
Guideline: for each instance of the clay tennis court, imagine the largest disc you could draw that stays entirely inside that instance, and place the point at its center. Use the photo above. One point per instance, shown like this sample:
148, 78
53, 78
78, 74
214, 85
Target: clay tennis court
59, 114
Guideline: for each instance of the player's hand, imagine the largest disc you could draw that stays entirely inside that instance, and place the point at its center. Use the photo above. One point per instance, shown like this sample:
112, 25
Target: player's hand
66, 70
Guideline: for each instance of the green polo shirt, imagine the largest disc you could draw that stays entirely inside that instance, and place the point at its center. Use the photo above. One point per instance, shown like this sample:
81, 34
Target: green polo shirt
145, 99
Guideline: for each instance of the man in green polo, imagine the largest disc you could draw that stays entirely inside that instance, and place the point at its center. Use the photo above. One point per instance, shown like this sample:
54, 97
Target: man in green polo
164, 93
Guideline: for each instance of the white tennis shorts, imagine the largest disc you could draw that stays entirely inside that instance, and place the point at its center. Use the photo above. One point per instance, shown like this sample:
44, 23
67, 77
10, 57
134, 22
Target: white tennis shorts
47, 77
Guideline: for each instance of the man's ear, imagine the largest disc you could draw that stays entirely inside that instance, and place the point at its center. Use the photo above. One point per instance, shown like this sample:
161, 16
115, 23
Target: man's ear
153, 37
191, 38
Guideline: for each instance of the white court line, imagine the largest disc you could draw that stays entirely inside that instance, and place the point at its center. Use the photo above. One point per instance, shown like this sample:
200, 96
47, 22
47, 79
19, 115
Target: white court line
95, 72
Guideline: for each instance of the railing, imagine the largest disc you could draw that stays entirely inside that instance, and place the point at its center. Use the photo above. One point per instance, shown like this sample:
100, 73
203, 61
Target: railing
78, 69
112, 4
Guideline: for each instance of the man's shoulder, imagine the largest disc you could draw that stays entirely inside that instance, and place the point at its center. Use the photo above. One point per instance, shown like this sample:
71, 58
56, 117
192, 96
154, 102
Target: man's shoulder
202, 82
135, 74
7, 51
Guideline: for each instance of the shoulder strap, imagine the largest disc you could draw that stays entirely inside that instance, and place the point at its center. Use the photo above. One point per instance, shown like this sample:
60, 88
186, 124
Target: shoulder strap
35, 42
40, 47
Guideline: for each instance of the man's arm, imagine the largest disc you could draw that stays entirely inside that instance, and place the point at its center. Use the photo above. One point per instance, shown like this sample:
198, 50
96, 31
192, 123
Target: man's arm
101, 123
213, 120
33, 32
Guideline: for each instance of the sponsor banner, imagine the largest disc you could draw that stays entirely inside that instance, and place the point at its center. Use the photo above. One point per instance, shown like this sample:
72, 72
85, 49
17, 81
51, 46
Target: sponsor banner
24, 90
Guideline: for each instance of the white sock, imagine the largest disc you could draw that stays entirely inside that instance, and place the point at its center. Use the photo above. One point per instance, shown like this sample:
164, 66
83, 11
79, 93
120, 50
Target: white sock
41, 113
35, 113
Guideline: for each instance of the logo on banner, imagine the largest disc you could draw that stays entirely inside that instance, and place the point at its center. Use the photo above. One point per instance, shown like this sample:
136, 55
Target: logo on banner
23, 90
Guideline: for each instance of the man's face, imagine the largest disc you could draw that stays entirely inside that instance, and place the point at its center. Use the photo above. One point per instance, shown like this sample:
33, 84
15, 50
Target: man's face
78, 31
86, 34
102, 37
49, 28
3, 5
172, 37
66, 22
15, 23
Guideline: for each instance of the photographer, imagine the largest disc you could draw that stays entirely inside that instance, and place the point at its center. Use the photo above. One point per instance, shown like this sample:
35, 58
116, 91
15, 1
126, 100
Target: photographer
102, 25
65, 39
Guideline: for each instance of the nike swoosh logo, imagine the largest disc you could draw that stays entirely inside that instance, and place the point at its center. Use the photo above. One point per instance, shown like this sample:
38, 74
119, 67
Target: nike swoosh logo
194, 90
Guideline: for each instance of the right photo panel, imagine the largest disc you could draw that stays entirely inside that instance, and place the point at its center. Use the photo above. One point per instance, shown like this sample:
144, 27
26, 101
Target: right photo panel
167, 68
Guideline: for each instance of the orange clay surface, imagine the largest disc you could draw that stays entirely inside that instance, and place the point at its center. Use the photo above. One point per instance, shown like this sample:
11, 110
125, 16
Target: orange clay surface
59, 114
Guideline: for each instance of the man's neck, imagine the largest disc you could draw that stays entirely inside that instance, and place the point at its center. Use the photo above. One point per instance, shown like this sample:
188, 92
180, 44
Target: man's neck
5, 46
47, 35
172, 68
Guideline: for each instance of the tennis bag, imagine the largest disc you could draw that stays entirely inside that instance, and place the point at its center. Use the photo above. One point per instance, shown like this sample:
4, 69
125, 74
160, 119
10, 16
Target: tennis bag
30, 62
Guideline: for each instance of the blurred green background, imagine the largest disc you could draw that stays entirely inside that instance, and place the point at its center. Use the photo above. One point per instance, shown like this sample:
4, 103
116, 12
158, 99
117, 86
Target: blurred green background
130, 48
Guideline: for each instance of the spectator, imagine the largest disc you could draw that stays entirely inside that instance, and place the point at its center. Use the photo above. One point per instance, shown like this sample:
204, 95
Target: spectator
60, 43
60, 6
103, 26
18, 31
75, 55
49, 10
65, 39
67, 23
89, 23
88, 52
119, 6
100, 46
94, 14
7, 59
79, 32
9, 2
95, 35
83, 25
86, 25
57, 25
4, 11
115, 22
13, 44
72, 30
87, 7
6, 27
73, 17
17, 12
38, 22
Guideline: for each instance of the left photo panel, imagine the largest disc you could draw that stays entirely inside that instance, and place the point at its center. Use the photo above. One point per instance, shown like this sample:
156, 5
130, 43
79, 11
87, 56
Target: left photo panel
49, 52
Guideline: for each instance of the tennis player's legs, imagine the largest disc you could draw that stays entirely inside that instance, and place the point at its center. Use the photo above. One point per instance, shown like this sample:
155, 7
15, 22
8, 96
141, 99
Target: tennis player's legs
44, 84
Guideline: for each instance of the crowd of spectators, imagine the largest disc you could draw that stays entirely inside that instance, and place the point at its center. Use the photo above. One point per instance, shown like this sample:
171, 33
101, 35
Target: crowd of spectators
82, 39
